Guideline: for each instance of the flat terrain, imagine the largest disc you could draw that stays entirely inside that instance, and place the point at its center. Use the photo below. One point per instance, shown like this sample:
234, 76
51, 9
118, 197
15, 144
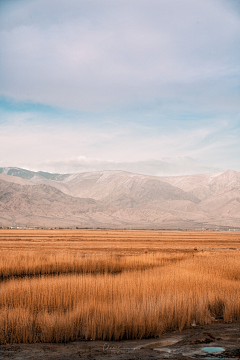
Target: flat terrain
69, 294
185, 345
117, 241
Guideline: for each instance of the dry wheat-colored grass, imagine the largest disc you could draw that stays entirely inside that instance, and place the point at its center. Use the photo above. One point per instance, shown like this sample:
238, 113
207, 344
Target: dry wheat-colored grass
114, 242
140, 291
32, 264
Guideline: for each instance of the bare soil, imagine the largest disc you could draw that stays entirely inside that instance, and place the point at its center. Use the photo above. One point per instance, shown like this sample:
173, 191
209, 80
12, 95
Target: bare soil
185, 345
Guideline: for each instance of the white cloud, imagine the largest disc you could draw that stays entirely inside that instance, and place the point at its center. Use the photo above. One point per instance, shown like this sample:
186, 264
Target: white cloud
163, 167
155, 84
28, 144
98, 55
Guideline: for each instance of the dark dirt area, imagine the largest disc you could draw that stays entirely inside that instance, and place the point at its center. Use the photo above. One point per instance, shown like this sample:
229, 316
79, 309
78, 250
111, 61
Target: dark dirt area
194, 343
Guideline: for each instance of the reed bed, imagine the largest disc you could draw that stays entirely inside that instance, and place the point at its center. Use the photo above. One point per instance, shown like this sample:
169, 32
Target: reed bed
129, 305
74, 285
41, 263
113, 241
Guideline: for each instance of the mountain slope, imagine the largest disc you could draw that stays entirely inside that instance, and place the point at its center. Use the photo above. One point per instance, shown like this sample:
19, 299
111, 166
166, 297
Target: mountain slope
203, 186
28, 174
118, 186
119, 199
40, 205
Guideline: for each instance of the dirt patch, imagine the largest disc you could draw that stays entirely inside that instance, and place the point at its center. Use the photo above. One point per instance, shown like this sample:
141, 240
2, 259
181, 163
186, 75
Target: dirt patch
185, 345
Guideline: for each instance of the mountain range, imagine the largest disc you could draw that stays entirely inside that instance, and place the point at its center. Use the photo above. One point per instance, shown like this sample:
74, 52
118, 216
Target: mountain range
119, 199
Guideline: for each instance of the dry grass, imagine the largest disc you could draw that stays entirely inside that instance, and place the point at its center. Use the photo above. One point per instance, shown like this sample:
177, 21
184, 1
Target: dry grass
109, 296
32, 264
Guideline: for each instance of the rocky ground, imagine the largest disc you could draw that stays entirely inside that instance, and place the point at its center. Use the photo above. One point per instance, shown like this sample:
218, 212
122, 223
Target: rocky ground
188, 344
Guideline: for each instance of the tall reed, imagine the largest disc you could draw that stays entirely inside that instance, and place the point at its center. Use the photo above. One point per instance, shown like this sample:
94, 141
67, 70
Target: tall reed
128, 305
41, 263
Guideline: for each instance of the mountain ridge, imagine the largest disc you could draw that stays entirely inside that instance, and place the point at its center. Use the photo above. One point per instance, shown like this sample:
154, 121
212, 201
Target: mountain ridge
119, 199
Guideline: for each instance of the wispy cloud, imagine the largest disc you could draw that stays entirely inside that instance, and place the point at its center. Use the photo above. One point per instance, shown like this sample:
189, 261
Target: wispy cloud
140, 85
99, 55
77, 147
162, 167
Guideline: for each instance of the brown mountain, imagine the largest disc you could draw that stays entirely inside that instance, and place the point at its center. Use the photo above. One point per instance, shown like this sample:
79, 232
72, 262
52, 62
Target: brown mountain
119, 199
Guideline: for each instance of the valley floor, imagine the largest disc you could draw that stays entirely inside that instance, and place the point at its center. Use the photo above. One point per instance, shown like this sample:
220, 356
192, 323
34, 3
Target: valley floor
101, 294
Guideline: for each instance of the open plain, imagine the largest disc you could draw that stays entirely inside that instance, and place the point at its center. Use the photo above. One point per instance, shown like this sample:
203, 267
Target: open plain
69, 294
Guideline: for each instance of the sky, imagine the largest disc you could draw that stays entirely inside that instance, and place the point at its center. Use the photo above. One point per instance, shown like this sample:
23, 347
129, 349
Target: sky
146, 86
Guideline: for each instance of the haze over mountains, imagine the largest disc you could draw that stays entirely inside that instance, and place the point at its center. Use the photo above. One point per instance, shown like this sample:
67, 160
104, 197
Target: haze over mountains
118, 199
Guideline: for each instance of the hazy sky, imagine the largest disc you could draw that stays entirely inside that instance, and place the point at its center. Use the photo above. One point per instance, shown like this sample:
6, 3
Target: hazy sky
149, 86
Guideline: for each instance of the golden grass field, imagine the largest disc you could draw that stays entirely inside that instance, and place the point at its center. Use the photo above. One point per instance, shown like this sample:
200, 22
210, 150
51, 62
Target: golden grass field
67, 285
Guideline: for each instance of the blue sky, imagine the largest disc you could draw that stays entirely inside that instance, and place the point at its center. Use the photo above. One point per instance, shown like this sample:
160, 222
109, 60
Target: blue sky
147, 86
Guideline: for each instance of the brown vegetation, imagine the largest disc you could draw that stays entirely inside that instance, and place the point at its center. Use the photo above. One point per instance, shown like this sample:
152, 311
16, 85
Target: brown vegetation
114, 285
22, 264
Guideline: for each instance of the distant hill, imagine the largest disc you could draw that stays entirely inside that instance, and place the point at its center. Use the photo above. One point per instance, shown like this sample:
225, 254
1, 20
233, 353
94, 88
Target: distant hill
119, 199
27, 174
